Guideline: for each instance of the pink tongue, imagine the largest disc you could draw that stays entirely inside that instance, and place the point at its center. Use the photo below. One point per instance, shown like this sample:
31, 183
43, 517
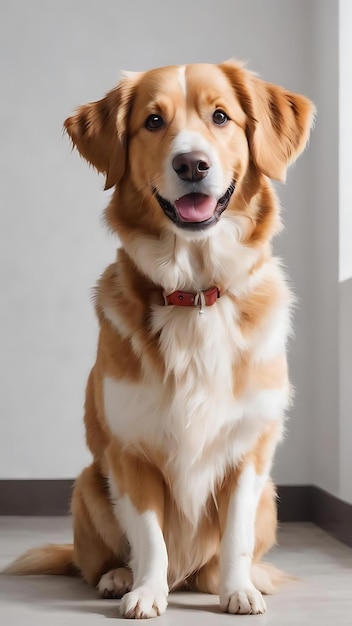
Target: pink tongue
195, 207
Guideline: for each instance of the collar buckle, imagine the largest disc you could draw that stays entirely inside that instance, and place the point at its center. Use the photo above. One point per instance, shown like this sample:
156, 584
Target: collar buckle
200, 298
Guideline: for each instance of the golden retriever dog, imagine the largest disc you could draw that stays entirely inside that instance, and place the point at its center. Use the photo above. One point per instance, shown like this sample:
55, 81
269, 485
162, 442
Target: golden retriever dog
185, 403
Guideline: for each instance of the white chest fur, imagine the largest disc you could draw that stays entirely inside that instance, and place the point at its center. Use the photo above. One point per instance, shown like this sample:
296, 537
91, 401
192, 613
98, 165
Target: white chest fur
193, 415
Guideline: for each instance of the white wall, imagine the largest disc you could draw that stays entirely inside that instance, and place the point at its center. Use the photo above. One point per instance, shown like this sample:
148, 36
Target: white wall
324, 339
345, 146
345, 243
58, 54
331, 155
345, 392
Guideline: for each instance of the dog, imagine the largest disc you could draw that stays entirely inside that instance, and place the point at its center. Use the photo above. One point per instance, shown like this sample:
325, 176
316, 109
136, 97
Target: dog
186, 401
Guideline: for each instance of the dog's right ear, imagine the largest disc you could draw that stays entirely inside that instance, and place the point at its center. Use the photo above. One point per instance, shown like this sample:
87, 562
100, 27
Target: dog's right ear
98, 130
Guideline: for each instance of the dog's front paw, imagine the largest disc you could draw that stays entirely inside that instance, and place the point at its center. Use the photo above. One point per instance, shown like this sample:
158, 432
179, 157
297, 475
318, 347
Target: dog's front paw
246, 602
142, 603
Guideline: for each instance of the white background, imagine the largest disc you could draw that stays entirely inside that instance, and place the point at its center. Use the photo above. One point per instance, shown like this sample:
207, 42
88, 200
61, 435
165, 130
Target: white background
345, 151
57, 54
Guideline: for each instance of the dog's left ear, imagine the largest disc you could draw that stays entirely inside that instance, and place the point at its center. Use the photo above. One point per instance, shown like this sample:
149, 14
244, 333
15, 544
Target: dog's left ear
98, 130
278, 121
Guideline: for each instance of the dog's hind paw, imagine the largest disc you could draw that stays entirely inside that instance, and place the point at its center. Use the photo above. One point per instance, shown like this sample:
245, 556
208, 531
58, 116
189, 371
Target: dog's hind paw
115, 583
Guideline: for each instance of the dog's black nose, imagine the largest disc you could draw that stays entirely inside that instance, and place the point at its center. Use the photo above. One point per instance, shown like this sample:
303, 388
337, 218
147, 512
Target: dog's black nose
191, 166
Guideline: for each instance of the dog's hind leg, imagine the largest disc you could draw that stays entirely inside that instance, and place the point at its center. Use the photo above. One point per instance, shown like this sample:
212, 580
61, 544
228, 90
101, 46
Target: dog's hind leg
207, 579
99, 543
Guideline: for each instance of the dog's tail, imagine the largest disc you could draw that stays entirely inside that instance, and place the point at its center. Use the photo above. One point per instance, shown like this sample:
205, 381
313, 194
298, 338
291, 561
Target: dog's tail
50, 559
268, 579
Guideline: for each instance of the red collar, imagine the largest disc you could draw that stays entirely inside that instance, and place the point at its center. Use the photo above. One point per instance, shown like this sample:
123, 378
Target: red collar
198, 299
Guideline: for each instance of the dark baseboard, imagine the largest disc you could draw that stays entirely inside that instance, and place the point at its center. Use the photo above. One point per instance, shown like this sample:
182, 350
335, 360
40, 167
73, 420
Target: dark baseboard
294, 503
308, 503
301, 503
35, 497
332, 514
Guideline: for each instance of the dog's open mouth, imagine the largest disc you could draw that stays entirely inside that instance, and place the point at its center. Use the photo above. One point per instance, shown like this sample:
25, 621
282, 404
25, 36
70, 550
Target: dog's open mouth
195, 211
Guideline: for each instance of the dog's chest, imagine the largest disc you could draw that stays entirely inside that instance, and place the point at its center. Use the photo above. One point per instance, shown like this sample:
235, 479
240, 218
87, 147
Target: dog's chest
192, 416
198, 354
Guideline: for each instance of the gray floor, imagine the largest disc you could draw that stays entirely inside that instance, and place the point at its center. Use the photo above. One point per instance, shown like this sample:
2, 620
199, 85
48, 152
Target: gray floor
322, 597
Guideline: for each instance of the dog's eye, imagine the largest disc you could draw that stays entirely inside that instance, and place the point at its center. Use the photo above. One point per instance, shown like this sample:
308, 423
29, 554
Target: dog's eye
220, 118
154, 122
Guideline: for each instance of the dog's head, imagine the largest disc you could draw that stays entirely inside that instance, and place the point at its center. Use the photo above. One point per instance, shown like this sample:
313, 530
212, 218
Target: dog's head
184, 139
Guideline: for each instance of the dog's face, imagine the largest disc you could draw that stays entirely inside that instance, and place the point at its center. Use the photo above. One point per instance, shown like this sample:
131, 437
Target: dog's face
188, 143
185, 137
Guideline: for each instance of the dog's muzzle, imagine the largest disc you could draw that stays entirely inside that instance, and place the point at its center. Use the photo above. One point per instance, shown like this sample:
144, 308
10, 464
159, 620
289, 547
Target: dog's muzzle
189, 210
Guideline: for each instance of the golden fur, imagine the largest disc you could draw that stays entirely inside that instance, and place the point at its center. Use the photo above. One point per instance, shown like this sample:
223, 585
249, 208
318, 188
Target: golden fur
269, 128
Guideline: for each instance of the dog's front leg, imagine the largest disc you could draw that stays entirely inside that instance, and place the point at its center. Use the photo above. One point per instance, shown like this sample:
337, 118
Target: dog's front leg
237, 592
138, 496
